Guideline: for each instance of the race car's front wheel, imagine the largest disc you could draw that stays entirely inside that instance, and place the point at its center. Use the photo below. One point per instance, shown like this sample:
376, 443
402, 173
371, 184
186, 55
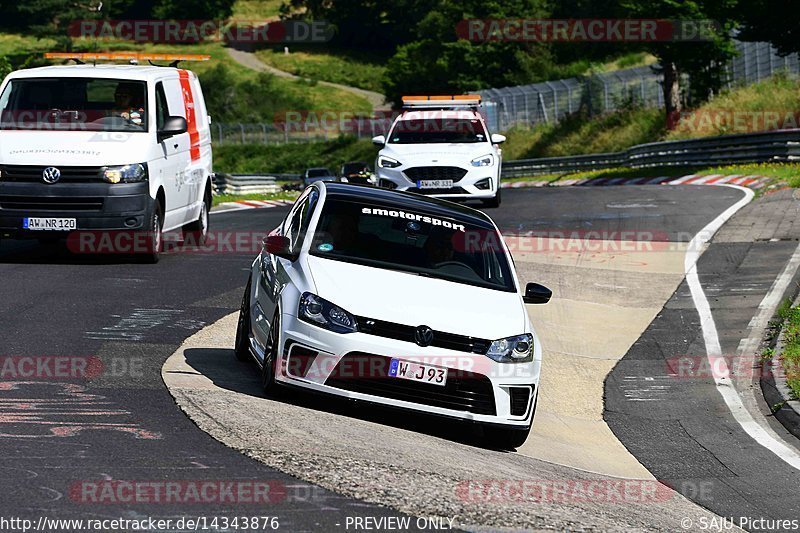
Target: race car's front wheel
506, 438
242, 346
493, 202
271, 357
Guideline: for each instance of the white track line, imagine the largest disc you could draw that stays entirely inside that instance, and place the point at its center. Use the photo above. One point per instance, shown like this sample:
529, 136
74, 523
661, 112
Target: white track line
711, 337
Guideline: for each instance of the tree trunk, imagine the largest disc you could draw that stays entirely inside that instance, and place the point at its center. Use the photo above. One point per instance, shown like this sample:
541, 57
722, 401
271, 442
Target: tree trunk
672, 93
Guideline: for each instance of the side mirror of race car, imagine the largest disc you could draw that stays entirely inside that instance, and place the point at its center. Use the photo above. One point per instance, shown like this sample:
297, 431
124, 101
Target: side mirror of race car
379, 140
498, 139
536, 294
279, 245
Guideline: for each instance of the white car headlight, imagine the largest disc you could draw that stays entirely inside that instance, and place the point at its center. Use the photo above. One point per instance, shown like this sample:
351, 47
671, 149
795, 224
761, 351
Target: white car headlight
483, 161
322, 313
388, 162
517, 349
126, 173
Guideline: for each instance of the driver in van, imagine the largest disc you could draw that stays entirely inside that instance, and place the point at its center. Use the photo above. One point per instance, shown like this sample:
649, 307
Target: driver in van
127, 103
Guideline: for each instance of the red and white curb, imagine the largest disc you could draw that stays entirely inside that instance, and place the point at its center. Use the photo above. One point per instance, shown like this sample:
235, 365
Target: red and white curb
250, 204
753, 182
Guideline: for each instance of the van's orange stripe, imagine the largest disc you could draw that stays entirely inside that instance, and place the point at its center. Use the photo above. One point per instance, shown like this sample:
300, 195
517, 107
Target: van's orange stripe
191, 116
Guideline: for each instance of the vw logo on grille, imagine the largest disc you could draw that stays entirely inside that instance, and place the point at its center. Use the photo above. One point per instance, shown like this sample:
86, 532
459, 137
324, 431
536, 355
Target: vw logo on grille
423, 335
51, 175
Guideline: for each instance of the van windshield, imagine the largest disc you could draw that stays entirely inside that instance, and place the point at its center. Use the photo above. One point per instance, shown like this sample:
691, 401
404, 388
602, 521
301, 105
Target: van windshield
84, 104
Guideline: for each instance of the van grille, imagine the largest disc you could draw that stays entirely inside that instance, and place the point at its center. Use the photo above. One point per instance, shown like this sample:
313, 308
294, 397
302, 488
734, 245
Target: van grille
51, 203
33, 173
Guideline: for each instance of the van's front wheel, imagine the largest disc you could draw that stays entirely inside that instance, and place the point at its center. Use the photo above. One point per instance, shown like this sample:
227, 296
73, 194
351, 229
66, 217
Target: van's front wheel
196, 232
154, 230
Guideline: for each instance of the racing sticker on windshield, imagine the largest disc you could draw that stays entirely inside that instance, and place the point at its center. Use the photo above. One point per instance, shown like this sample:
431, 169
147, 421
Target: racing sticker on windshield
325, 247
413, 216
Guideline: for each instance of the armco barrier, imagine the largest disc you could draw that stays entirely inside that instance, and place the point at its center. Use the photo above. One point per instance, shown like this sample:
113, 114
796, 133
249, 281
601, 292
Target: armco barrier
781, 146
249, 183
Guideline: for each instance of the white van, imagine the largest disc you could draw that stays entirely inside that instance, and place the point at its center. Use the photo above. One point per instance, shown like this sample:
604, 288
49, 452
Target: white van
88, 148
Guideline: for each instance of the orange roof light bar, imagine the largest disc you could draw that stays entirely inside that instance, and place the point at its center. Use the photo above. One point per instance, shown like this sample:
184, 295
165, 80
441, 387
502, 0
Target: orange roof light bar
452, 100
125, 56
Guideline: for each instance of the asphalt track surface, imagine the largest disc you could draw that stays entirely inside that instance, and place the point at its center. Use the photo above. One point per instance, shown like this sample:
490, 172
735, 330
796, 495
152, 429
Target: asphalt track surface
122, 424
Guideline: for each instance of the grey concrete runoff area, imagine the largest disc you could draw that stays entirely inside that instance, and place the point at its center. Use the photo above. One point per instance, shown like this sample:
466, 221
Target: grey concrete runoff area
619, 443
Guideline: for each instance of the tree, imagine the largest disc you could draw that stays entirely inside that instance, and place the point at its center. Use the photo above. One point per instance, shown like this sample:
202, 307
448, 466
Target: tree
773, 21
703, 60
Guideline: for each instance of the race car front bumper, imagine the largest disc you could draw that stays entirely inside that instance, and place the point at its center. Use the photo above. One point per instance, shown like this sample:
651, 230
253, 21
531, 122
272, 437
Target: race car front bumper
476, 182
356, 366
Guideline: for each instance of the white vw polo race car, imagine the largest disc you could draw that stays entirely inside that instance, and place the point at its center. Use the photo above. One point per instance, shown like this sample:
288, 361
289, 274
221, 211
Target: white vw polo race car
440, 146
398, 299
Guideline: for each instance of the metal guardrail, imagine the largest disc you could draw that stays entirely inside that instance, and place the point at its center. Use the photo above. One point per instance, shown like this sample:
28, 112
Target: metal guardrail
781, 146
249, 183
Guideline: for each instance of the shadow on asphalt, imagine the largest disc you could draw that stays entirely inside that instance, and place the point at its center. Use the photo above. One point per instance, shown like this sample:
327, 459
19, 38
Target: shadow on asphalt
221, 367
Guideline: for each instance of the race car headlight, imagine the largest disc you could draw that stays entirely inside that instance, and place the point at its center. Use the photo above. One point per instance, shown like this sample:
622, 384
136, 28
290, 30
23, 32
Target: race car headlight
388, 162
126, 173
483, 161
517, 349
322, 313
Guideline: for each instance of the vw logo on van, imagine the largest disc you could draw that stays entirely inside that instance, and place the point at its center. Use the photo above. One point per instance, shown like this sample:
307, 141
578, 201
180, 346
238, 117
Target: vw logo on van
51, 175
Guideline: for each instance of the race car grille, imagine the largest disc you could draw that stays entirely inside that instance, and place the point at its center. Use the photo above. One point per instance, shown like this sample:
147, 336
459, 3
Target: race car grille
33, 173
51, 203
519, 400
435, 173
401, 332
368, 374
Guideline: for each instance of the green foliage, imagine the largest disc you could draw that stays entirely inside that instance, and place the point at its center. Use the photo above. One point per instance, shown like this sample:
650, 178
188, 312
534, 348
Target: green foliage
232, 99
193, 9
5, 67
774, 21
701, 60
346, 66
291, 158
773, 103
580, 134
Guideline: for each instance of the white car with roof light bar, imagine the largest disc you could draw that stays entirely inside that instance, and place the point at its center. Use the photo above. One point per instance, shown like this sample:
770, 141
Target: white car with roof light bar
105, 149
440, 146
398, 299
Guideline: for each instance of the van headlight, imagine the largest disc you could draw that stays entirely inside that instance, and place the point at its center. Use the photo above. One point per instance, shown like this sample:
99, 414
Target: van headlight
517, 349
126, 173
483, 161
322, 313
388, 162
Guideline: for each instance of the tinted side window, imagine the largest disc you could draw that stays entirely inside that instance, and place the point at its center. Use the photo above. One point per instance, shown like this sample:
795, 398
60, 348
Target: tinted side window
297, 221
162, 109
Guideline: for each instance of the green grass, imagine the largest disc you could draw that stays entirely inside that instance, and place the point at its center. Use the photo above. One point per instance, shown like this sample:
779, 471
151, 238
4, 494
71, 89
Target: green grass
781, 172
303, 95
283, 195
580, 135
13, 44
620, 130
767, 105
291, 158
790, 358
256, 10
346, 67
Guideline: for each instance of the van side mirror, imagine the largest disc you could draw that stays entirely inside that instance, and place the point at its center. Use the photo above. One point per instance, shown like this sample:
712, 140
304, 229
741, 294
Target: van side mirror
280, 246
536, 294
172, 126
